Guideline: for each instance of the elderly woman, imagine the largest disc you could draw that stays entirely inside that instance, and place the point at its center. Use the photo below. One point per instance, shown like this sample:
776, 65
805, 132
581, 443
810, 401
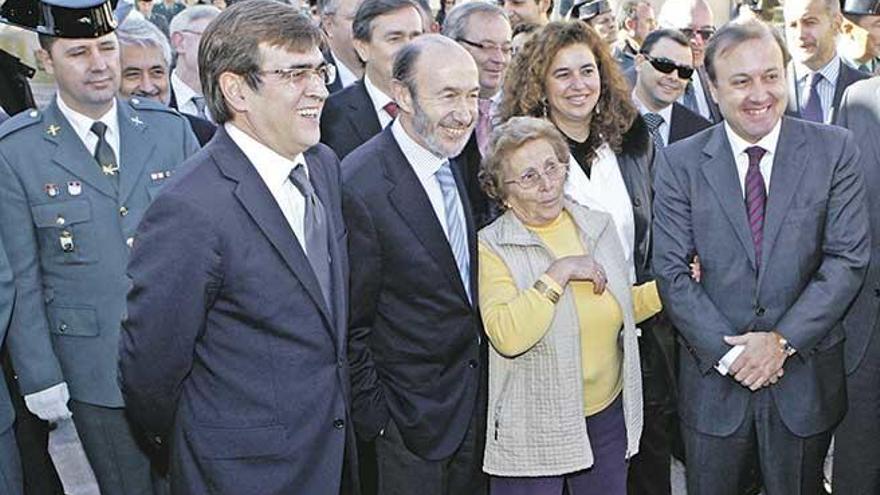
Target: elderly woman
560, 311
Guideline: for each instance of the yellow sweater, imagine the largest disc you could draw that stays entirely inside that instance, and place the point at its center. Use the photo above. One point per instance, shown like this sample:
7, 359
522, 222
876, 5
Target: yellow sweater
516, 320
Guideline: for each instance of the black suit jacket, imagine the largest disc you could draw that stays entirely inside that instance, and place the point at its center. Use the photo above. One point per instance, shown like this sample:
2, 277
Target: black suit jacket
336, 85
349, 119
203, 129
845, 77
415, 347
229, 347
685, 123
485, 210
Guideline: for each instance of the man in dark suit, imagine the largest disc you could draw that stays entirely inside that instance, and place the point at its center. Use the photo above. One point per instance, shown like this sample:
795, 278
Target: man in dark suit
856, 450
336, 22
817, 76
241, 264
145, 59
415, 345
357, 113
761, 378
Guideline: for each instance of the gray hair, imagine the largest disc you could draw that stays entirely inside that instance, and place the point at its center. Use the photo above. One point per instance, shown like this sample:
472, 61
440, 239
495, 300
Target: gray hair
189, 15
628, 10
736, 33
137, 31
456, 24
369, 10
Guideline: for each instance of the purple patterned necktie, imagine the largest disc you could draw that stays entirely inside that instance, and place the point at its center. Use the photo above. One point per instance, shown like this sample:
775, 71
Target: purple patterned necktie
756, 197
813, 106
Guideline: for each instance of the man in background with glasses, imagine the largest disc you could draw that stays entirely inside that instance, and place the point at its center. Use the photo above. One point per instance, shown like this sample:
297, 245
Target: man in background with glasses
694, 18
234, 352
482, 29
185, 31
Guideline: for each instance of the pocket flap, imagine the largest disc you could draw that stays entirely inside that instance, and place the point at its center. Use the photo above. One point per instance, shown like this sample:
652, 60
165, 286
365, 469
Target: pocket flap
69, 212
73, 321
238, 443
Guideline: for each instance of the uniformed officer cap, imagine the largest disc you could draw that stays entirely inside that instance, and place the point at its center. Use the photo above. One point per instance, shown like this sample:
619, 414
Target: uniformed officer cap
860, 7
587, 9
61, 18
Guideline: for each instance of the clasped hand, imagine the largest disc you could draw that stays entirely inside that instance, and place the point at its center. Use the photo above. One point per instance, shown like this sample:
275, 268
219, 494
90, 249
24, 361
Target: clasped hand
582, 267
760, 363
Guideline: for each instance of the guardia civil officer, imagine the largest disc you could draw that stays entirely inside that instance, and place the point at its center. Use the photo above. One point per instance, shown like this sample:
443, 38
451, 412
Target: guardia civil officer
77, 176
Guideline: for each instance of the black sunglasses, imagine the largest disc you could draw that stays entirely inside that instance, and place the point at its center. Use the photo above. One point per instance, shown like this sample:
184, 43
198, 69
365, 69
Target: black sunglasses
705, 33
667, 66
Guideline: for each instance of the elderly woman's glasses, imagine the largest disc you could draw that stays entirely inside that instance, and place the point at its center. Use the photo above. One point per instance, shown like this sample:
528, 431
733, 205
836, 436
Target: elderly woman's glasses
298, 75
667, 66
531, 178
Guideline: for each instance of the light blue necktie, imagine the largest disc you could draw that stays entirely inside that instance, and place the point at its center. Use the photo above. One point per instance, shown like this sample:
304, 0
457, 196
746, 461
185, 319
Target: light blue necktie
456, 230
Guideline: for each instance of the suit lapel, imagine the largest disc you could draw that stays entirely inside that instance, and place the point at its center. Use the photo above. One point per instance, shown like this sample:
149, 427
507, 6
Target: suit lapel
720, 172
362, 115
254, 196
467, 209
784, 180
793, 97
71, 154
135, 149
411, 202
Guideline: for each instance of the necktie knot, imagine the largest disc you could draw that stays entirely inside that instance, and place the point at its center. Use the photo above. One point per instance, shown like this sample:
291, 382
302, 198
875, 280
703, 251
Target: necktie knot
99, 128
653, 120
199, 102
815, 79
391, 109
755, 154
301, 181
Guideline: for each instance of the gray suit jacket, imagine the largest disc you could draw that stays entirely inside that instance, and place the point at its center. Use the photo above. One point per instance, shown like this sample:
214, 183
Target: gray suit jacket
70, 302
815, 251
860, 112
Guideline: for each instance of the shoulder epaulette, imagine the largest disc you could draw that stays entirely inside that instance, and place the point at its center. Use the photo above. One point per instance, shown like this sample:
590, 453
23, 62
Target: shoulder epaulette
146, 104
20, 120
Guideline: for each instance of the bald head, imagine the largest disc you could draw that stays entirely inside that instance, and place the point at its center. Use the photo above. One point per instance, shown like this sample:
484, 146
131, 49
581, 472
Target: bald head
694, 18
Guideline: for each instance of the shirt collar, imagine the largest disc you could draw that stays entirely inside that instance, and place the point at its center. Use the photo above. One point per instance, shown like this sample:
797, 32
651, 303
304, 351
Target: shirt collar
272, 167
82, 124
182, 91
378, 98
666, 112
738, 145
346, 76
829, 71
424, 163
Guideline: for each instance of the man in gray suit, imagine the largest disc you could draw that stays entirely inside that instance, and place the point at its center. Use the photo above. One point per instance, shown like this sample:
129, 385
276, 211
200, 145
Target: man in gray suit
856, 450
77, 176
761, 368
10, 464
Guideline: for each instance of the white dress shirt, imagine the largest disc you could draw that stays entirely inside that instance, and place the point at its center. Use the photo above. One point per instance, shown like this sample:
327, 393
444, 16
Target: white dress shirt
666, 113
425, 164
82, 126
275, 170
184, 95
826, 87
738, 145
379, 100
606, 191
346, 76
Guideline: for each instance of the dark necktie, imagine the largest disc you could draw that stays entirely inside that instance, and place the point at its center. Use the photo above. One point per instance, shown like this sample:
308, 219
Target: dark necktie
104, 153
316, 232
654, 121
690, 98
199, 102
813, 105
756, 198
391, 109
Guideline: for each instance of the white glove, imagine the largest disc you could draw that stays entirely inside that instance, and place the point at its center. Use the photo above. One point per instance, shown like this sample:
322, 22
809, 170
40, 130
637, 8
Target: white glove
50, 404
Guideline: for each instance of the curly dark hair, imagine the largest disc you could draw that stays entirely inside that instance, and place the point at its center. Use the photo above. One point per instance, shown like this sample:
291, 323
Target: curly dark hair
524, 92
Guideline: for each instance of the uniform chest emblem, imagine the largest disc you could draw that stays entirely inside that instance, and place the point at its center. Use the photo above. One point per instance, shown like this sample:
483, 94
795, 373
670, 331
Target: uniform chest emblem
52, 130
74, 188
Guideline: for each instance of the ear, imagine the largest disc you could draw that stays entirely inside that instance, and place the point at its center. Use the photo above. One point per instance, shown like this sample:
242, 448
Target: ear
629, 24
637, 64
45, 59
176, 40
836, 22
402, 97
235, 91
362, 48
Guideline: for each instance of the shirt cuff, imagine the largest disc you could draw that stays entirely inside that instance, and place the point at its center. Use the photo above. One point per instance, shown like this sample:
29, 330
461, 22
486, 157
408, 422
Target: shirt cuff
726, 362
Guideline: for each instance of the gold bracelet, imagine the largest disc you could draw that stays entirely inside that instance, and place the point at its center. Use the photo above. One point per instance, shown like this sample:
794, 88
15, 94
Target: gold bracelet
547, 291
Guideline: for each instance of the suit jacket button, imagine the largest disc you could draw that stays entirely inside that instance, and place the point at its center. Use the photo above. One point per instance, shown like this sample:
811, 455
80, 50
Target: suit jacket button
472, 363
338, 424
157, 439
637, 202
123, 211
877, 292
759, 311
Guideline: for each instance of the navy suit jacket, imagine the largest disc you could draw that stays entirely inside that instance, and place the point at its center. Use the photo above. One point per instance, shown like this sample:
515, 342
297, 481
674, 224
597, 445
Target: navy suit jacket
415, 346
229, 348
685, 123
845, 77
349, 119
814, 255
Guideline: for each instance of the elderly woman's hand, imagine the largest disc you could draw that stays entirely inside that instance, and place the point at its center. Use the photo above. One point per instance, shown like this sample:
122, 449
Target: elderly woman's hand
582, 267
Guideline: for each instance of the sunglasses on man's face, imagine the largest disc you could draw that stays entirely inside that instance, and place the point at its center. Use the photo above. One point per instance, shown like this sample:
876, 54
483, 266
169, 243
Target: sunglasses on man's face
705, 32
667, 66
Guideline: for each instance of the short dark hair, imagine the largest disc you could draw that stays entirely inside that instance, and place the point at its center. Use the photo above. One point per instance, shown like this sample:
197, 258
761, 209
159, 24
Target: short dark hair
654, 37
736, 33
369, 10
231, 43
46, 41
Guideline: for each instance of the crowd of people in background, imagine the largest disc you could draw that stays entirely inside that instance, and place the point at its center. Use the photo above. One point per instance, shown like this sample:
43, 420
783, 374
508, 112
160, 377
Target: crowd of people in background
385, 247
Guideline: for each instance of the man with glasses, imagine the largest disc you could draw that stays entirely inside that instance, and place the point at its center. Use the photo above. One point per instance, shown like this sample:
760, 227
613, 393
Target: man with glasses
817, 76
336, 20
635, 19
234, 353
694, 18
186, 30
483, 30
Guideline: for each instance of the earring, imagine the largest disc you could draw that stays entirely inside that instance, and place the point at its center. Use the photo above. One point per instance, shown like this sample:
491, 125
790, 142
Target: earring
597, 110
544, 107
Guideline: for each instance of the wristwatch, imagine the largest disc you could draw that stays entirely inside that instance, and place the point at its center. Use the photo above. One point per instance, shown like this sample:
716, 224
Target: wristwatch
547, 291
786, 347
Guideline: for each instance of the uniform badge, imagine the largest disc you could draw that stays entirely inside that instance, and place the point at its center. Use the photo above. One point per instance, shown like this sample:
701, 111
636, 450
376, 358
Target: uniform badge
158, 176
137, 121
66, 241
53, 130
74, 188
110, 169
51, 190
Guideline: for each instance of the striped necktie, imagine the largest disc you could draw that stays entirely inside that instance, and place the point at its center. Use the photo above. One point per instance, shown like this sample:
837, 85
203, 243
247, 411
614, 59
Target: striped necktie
456, 230
756, 197
654, 121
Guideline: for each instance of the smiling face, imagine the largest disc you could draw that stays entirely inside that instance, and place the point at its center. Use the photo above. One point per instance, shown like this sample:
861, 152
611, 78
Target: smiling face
655, 89
86, 71
750, 87
281, 114
494, 33
541, 204
811, 32
573, 87
144, 73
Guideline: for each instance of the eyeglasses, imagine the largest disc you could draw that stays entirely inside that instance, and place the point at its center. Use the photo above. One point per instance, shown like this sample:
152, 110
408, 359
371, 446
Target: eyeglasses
531, 178
667, 66
487, 46
298, 75
704, 32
